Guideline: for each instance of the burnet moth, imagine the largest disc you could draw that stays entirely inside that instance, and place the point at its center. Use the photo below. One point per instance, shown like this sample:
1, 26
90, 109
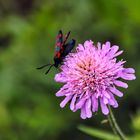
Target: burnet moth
62, 49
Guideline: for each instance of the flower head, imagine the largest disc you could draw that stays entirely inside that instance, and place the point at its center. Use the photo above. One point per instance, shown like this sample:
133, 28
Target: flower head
91, 76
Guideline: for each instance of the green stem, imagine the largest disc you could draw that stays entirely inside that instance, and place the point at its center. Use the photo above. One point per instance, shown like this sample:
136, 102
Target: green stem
115, 127
111, 124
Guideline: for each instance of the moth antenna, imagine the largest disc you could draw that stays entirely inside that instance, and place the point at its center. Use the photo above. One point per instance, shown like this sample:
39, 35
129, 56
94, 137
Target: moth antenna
66, 37
43, 66
49, 69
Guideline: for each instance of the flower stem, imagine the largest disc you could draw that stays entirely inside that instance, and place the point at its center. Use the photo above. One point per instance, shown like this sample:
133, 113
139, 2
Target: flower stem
115, 127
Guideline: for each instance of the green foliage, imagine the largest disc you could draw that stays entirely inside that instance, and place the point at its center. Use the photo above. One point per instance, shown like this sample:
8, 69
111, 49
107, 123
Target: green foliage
136, 125
102, 134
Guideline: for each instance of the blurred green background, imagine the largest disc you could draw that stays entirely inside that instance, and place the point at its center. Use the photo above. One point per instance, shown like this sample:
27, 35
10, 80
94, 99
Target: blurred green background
29, 109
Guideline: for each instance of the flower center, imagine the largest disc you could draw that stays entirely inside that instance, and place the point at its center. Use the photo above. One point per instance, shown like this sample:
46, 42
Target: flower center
92, 78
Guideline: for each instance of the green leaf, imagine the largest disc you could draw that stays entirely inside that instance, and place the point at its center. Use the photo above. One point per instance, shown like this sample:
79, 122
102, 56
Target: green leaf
104, 135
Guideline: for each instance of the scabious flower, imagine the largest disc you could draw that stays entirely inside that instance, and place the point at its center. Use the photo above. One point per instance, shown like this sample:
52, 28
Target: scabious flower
91, 76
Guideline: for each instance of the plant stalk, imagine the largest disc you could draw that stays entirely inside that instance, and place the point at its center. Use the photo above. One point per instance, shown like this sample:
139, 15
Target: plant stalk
115, 127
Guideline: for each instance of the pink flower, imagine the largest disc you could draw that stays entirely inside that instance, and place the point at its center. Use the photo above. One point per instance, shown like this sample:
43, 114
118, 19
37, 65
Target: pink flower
91, 76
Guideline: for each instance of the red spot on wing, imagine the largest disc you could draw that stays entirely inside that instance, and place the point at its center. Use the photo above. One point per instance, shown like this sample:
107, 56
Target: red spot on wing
60, 35
58, 55
58, 45
59, 48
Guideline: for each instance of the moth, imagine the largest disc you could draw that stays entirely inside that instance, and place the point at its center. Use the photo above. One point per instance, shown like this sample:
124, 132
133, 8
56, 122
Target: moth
62, 49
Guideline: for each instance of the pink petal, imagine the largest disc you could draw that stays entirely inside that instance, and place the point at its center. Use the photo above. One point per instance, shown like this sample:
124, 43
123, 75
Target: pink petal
113, 50
104, 108
116, 92
112, 101
60, 78
120, 84
105, 93
80, 47
88, 108
118, 53
115, 105
99, 45
105, 100
80, 103
83, 113
106, 46
94, 104
63, 91
72, 105
128, 76
88, 44
129, 70
65, 101
60, 93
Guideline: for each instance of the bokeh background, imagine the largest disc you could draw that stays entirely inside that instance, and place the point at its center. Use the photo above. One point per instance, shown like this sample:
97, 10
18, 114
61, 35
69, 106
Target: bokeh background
29, 109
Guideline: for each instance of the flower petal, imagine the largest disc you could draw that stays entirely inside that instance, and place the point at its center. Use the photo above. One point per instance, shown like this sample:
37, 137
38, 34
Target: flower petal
105, 100
88, 44
83, 113
120, 84
80, 103
118, 53
60, 78
80, 47
129, 70
94, 104
65, 101
88, 108
112, 101
113, 50
105, 93
104, 108
72, 105
60, 93
99, 45
116, 92
128, 76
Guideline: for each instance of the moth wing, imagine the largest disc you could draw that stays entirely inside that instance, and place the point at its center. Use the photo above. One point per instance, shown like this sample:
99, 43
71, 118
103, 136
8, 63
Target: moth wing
58, 46
59, 41
66, 37
68, 47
